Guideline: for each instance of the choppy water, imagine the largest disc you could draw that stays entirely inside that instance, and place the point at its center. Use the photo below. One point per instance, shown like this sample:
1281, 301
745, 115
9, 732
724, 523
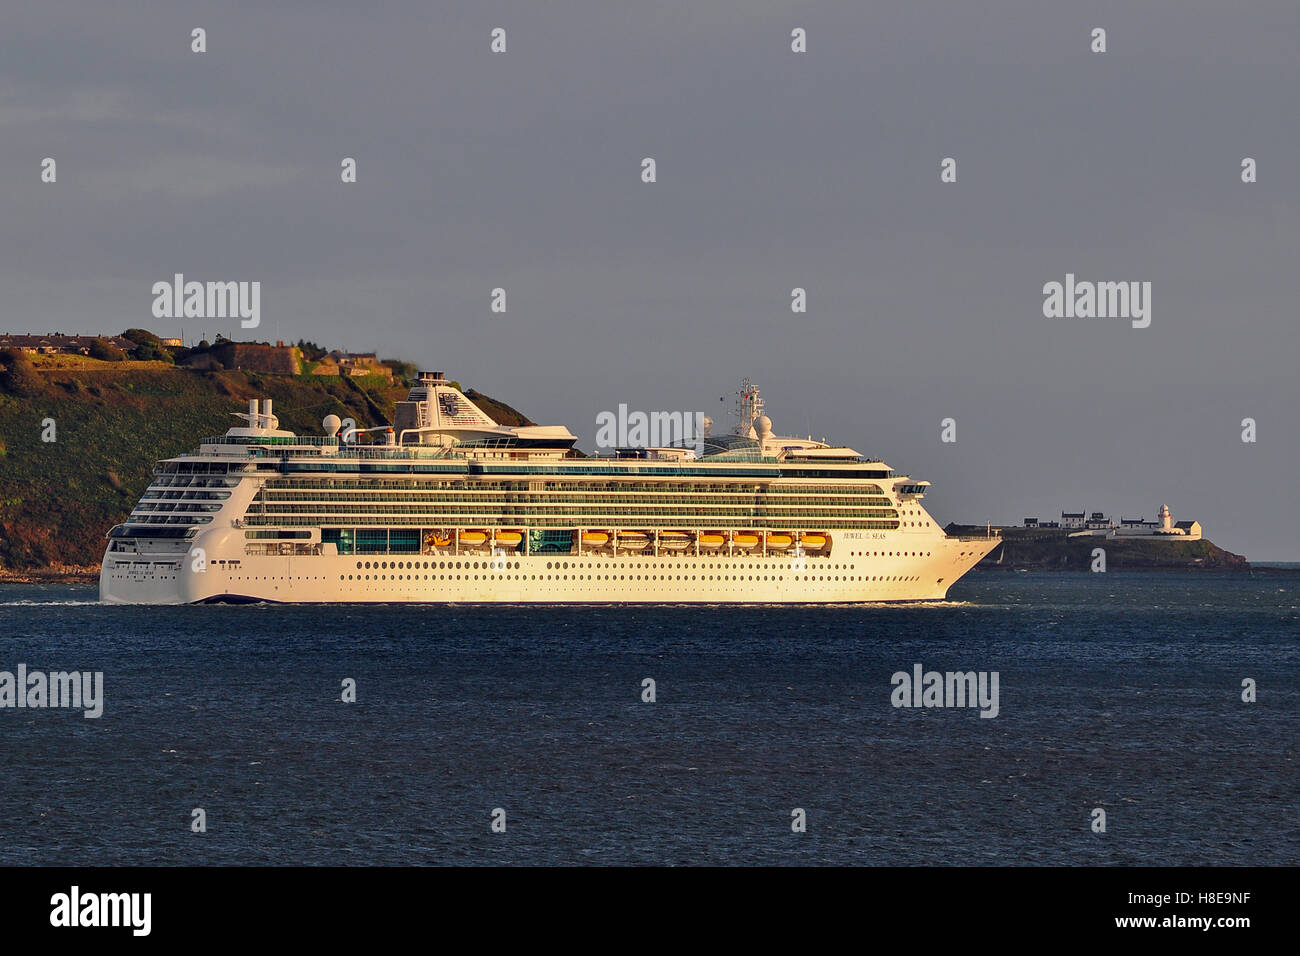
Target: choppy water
1119, 691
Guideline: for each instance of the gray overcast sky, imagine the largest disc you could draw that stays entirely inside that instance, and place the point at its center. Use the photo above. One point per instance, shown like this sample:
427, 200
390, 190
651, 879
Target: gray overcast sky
775, 170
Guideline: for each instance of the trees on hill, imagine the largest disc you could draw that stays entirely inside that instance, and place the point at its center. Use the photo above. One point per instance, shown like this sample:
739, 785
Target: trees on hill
104, 350
404, 371
141, 336
151, 352
17, 376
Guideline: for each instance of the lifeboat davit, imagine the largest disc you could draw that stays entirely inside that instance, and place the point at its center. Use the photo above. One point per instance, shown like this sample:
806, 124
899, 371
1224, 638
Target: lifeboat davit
472, 538
779, 542
712, 542
745, 540
674, 539
595, 538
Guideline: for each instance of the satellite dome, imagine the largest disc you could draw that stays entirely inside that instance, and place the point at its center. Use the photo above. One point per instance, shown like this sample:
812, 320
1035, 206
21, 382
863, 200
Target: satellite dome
332, 425
763, 426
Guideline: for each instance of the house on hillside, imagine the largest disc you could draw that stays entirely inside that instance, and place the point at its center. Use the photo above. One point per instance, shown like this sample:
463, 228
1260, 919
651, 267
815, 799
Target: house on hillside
1098, 522
56, 342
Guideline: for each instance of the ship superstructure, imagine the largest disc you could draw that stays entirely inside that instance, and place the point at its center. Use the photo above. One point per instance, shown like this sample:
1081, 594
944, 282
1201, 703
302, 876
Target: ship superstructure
448, 505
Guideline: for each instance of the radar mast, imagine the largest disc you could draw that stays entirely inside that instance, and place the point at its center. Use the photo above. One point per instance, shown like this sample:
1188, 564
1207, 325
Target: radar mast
749, 408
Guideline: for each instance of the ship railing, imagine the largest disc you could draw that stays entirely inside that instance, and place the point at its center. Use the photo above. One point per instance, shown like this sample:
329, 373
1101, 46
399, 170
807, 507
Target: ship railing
406, 453
739, 456
239, 448
504, 442
315, 441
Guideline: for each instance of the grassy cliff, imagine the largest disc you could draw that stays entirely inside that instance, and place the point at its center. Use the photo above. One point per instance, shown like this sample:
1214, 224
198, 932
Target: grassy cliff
112, 420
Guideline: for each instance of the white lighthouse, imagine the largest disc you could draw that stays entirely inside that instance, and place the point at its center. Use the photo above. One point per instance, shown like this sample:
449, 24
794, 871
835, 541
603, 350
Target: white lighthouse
1166, 520
1163, 527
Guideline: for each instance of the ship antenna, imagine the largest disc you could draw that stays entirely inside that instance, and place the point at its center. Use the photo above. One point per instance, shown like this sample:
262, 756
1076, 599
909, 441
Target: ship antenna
749, 408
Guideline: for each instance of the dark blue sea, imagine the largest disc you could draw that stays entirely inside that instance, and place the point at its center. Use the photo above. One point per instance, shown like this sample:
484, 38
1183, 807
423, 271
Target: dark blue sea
1119, 691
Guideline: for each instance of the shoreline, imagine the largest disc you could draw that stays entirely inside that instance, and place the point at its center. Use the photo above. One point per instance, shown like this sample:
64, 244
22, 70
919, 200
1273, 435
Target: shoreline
60, 575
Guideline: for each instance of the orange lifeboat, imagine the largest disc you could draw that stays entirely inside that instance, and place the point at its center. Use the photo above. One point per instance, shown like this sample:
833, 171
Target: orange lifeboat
779, 542
712, 541
595, 539
745, 540
471, 539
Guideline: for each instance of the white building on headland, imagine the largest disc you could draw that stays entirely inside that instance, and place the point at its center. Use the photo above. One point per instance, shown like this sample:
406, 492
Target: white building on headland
1099, 522
1078, 520
1098, 525
1163, 527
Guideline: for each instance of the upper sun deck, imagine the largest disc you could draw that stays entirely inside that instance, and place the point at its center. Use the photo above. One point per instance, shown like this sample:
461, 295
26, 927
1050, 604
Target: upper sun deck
438, 429
312, 453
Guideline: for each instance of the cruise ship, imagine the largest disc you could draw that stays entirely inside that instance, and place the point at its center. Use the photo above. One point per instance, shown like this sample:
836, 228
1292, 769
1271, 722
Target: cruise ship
446, 505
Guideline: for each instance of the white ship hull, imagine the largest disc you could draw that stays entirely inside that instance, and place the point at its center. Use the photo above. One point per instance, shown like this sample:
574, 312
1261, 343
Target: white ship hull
506, 515
924, 572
